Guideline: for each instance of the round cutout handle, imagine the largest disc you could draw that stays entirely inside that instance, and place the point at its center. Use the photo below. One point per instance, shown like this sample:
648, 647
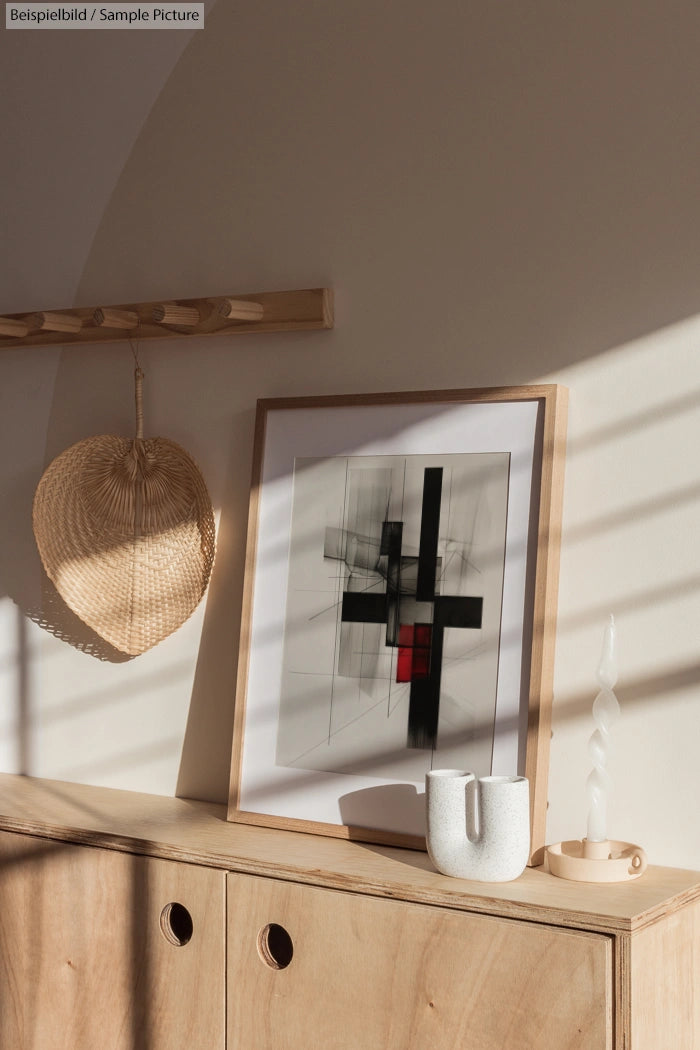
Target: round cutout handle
275, 946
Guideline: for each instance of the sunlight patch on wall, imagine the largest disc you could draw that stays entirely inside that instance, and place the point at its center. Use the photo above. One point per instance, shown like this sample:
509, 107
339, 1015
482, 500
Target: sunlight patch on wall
632, 502
124, 726
629, 547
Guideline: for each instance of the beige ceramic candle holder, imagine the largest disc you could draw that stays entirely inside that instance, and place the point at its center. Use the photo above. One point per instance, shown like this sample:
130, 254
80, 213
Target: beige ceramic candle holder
607, 861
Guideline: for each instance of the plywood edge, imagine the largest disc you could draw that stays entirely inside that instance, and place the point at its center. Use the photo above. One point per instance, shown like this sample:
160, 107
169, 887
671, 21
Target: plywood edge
674, 904
623, 992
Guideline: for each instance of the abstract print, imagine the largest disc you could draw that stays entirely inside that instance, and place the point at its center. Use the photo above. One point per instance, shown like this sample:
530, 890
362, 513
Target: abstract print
390, 661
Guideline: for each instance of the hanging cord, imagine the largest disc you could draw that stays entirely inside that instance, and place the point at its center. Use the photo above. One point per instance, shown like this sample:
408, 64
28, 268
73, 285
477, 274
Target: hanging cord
137, 454
138, 380
138, 393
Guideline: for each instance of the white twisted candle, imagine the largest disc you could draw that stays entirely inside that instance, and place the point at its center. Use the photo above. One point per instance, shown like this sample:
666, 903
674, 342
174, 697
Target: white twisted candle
606, 711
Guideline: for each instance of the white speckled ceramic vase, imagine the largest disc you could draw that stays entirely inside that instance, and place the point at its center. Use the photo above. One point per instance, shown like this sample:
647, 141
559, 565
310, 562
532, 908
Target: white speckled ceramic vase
477, 827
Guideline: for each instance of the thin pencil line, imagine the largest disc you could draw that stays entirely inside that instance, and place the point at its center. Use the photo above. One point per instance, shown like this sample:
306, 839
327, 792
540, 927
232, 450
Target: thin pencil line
340, 729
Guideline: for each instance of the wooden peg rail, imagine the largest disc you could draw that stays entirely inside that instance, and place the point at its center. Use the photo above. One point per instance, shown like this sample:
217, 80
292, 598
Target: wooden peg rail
310, 308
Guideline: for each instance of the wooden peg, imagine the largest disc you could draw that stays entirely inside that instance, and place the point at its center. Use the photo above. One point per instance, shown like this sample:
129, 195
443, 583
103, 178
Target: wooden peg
54, 322
106, 317
240, 310
8, 326
172, 313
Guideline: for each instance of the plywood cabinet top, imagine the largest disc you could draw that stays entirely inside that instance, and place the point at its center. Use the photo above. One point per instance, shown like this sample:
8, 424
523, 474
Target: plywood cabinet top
198, 832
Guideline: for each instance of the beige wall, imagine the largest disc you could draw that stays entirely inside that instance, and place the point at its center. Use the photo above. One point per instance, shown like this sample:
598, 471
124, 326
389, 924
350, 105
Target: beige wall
499, 194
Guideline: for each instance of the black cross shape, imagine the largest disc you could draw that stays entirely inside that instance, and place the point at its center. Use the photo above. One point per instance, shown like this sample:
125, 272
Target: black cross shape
447, 610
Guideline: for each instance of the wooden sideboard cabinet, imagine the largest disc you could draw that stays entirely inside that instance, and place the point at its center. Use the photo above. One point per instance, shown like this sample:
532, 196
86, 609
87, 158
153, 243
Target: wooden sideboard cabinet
135, 922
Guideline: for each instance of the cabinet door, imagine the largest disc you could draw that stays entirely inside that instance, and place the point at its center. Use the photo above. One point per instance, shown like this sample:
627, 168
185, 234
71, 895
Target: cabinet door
101, 950
310, 967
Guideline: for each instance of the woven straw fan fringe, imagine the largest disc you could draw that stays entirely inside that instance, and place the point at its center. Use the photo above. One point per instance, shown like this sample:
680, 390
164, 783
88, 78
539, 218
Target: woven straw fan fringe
125, 531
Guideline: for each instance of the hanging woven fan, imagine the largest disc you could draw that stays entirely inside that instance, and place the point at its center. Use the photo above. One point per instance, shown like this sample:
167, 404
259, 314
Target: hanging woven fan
125, 530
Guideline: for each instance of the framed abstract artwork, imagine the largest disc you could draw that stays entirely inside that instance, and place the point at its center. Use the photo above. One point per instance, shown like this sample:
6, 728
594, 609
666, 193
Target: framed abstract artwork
399, 605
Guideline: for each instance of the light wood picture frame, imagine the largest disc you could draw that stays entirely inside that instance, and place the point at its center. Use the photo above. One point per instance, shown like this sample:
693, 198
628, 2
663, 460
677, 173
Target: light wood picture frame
399, 605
